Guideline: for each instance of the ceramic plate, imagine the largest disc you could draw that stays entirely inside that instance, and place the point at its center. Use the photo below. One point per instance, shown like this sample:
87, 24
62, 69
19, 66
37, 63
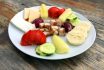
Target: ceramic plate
15, 36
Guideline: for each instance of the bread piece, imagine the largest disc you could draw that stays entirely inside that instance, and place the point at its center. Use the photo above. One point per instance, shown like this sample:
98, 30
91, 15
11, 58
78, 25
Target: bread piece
56, 32
33, 15
61, 31
46, 29
42, 29
59, 22
26, 13
54, 27
53, 22
41, 25
47, 33
47, 26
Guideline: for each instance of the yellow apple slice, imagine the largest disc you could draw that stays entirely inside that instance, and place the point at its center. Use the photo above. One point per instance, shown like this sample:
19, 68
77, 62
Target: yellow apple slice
60, 45
65, 14
43, 11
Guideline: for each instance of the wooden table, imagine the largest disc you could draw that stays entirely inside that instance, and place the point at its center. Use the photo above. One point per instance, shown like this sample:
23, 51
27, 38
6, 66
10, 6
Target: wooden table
13, 59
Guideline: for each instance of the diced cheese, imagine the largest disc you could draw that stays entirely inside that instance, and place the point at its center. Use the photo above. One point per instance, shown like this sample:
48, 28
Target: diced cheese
25, 26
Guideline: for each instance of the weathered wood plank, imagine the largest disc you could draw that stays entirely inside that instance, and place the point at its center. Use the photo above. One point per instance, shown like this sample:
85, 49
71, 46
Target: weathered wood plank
9, 58
13, 59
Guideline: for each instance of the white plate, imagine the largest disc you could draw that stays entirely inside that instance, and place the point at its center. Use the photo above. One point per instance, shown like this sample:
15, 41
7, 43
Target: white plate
16, 34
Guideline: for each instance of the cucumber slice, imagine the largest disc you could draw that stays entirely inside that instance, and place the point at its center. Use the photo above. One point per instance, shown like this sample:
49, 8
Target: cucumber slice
38, 52
72, 17
75, 22
47, 48
45, 52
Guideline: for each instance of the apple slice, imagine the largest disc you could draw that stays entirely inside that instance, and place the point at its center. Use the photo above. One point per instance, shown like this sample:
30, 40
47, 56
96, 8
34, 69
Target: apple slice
43, 11
65, 14
60, 45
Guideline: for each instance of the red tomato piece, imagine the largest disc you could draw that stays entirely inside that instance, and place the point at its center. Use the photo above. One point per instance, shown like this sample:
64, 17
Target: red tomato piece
32, 37
61, 11
53, 12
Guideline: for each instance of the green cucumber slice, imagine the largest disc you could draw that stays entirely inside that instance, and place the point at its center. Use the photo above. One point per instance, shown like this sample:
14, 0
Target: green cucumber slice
72, 17
47, 48
75, 22
38, 52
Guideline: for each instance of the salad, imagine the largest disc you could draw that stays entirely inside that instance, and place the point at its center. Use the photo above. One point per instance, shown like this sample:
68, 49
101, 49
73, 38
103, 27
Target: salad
54, 22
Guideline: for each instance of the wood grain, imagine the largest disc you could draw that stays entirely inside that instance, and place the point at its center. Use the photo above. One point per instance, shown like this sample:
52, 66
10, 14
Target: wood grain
13, 59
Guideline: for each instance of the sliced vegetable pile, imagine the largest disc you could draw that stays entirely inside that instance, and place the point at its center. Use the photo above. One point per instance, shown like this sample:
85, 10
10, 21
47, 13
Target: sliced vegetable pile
54, 22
